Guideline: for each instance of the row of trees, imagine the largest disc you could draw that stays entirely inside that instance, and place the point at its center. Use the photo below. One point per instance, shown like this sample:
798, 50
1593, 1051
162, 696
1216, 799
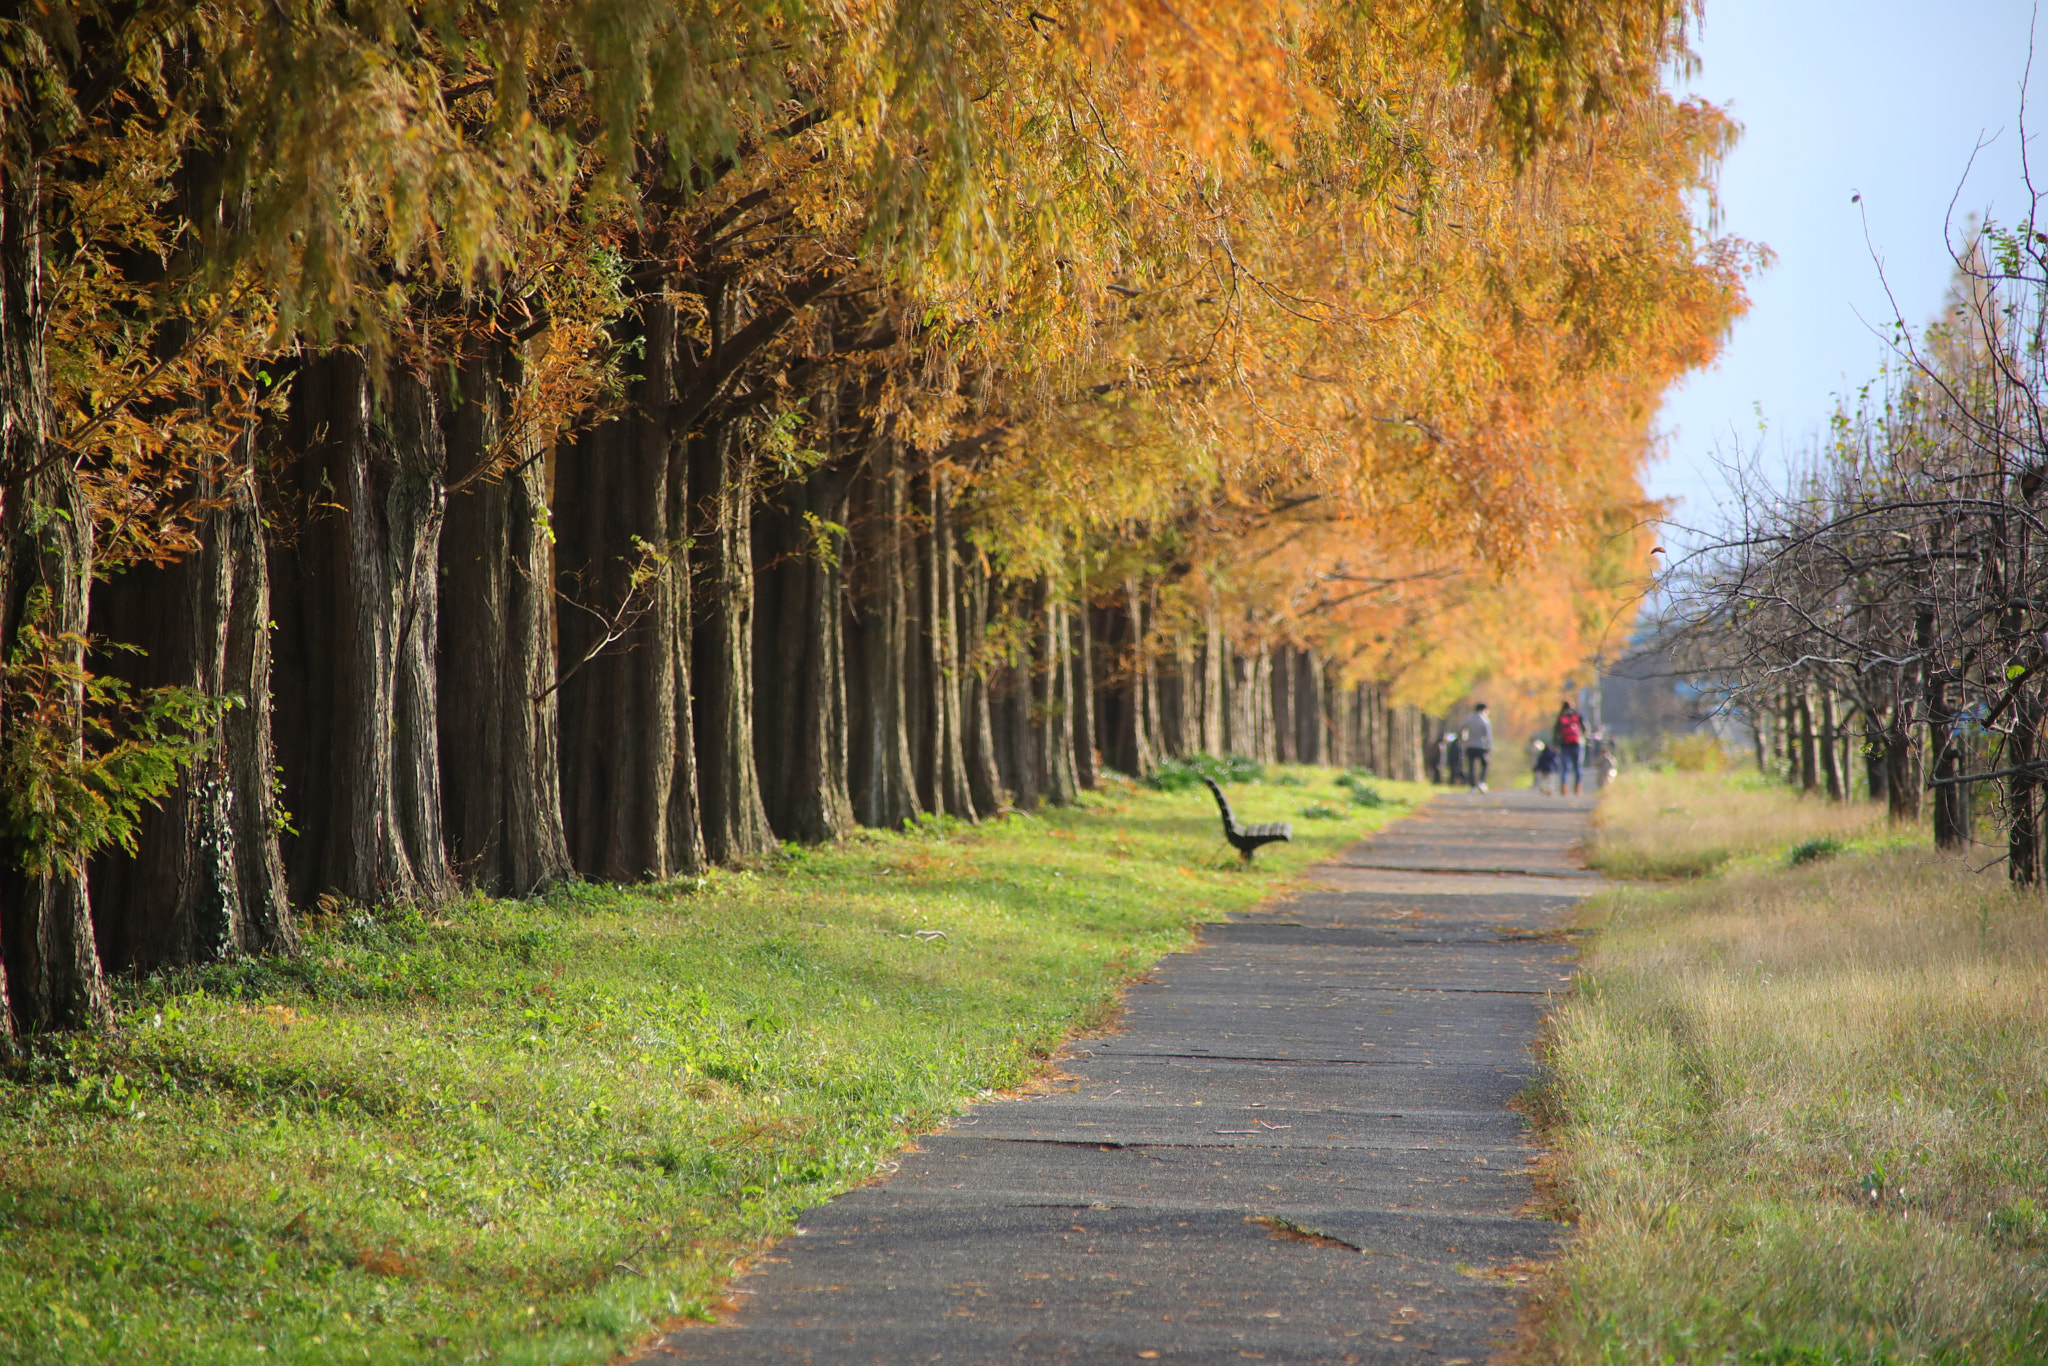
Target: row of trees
1811, 736
449, 445
1899, 591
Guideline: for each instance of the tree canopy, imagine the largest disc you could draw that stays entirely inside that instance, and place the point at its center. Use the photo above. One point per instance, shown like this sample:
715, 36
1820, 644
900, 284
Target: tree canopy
561, 439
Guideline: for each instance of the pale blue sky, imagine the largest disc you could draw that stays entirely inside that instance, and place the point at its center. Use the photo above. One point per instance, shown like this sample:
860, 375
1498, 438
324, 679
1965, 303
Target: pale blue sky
1886, 98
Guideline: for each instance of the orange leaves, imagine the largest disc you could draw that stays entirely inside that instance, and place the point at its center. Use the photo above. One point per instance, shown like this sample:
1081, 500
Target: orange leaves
1205, 77
1391, 396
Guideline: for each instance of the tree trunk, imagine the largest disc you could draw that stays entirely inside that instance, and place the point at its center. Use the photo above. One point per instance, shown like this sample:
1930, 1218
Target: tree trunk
1151, 728
2023, 833
1874, 756
884, 771
1082, 680
1310, 742
249, 737
629, 794
984, 774
800, 730
722, 477
1211, 701
1113, 629
1138, 720
206, 881
1022, 770
499, 728
53, 978
49, 964
416, 502
1830, 759
1902, 789
1250, 688
1788, 736
945, 754
357, 733
1179, 687
1107, 638
1335, 712
1845, 741
1052, 709
1809, 753
1951, 799
1237, 722
1286, 734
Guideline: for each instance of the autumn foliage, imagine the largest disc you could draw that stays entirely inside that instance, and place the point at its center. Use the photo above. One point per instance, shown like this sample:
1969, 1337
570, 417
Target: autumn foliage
595, 440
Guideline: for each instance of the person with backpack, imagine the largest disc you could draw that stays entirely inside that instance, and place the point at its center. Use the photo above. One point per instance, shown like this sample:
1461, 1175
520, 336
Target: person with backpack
1568, 738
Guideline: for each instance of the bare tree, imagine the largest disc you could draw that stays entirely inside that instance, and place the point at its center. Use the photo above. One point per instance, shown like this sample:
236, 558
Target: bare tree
1901, 569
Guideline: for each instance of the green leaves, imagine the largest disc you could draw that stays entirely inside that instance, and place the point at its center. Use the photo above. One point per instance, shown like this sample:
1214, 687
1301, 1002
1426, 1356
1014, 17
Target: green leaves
74, 787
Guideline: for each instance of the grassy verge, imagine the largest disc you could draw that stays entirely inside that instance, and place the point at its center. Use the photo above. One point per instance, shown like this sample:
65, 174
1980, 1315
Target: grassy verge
1662, 824
1801, 1114
528, 1132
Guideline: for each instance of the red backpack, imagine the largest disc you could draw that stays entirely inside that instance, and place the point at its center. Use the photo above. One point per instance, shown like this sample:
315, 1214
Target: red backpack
1569, 728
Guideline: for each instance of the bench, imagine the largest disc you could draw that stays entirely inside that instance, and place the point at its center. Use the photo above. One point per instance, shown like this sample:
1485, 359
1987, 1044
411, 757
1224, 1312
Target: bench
1246, 838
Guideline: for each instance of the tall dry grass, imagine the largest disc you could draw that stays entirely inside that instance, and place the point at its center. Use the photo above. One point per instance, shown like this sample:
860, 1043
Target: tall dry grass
1662, 823
1802, 1116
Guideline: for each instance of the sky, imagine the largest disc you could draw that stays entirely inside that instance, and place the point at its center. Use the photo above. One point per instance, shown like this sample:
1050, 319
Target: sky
1886, 99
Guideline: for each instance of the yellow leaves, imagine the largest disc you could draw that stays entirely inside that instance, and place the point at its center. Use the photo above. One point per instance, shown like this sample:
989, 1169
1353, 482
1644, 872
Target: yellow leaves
154, 374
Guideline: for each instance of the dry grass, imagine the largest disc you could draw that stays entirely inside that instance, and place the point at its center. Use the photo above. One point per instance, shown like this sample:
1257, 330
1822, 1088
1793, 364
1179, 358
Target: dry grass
1803, 1118
1660, 824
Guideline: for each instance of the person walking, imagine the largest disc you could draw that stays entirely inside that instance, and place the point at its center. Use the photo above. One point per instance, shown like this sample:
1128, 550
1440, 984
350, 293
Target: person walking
1478, 737
1600, 758
1568, 738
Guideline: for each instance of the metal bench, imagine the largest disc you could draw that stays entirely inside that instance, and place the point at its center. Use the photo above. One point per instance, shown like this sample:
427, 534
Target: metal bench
1246, 838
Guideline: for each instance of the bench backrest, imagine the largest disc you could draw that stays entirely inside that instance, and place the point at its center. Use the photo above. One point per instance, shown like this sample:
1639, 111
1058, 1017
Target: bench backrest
1230, 826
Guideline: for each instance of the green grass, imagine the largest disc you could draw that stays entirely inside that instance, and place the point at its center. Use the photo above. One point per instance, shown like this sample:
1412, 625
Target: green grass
540, 1130
1800, 1112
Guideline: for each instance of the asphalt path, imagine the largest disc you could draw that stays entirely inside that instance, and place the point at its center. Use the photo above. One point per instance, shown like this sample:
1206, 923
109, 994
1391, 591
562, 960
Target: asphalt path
1297, 1148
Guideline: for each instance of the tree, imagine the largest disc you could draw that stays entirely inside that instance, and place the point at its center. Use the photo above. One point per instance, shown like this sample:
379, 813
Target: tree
828, 414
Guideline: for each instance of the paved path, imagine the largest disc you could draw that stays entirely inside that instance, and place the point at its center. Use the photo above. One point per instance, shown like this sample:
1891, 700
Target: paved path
1298, 1149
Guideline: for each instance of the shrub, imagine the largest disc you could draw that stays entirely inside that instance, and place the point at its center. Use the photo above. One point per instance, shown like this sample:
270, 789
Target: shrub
1177, 775
1322, 811
1809, 851
1363, 793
